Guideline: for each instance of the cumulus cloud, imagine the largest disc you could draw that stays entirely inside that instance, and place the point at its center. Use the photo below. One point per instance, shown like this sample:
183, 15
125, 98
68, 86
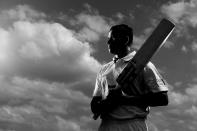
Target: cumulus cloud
94, 22
93, 26
184, 15
20, 13
181, 110
188, 97
184, 12
4, 46
42, 68
88, 34
45, 50
191, 91
177, 98
30, 102
120, 16
64, 125
192, 111
90, 25
184, 102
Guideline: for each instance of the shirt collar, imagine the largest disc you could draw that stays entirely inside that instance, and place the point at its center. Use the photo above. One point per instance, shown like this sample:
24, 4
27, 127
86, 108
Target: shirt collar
126, 58
129, 56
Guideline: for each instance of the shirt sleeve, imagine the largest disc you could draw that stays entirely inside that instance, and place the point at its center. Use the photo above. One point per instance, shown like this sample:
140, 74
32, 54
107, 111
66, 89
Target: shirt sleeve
97, 89
153, 80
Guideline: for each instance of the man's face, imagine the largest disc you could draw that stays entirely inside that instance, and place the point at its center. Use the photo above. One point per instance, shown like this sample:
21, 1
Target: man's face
116, 43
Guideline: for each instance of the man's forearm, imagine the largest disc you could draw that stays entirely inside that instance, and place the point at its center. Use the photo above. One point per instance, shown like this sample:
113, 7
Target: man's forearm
150, 99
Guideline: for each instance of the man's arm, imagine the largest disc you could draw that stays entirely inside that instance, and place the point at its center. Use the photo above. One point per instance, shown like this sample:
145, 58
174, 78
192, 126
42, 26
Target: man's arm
96, 104
156, 87
150, 99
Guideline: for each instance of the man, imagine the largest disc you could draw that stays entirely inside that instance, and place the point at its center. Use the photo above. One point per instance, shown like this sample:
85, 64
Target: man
126, 108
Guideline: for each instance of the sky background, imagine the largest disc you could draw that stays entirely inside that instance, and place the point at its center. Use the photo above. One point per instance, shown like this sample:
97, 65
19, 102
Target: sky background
51, 50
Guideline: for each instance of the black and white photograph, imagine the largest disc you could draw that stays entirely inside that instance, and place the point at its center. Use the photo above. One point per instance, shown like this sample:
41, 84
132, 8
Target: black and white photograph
95, 65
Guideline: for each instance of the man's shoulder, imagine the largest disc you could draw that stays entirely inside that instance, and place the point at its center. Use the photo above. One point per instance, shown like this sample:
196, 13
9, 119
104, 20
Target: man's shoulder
150, 69
150, 65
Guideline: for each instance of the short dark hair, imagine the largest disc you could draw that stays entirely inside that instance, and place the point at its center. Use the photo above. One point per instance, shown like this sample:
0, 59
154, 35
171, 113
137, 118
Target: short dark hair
123, 30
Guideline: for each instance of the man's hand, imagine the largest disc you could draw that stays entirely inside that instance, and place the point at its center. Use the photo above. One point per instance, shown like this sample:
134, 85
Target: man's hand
101, 107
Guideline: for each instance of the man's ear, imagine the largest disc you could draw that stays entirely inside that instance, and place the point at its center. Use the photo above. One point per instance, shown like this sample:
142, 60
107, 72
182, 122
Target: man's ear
127, 40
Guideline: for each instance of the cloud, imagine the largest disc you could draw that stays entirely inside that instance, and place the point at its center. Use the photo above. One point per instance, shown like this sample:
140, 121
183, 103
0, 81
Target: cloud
40, 91
43, 66
120, 16
138, 41
191, 91
184, 12
3, 44
192, 112
184, 15
89, 24
39, 49
194, 46
9, 114
93, 26
64, 125
88, 34
169, 44
178, 83
184, 104
184, 49
20, 13
94, 22
30, 102
177, 98
180, 112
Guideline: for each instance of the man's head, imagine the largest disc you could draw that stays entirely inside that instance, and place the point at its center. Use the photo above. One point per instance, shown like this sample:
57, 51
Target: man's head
120, 39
